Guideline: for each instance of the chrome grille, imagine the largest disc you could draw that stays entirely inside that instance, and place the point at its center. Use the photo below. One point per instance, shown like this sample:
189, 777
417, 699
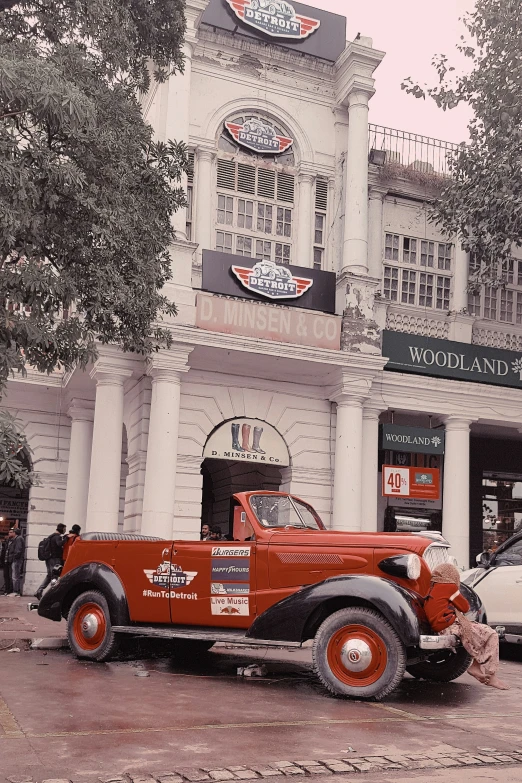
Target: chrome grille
435, 555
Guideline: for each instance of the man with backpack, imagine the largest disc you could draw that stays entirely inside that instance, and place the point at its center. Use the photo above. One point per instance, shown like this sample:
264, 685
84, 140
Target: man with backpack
50, 549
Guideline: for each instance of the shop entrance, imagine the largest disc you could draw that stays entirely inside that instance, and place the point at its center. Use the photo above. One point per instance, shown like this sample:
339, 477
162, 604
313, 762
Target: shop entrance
222, 478
14, 506
240, 455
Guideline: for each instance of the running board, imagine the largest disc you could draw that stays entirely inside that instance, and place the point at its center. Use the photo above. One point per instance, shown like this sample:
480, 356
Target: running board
227, 637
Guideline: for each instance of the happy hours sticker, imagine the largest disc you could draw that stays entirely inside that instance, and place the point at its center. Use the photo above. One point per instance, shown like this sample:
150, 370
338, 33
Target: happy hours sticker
229, 604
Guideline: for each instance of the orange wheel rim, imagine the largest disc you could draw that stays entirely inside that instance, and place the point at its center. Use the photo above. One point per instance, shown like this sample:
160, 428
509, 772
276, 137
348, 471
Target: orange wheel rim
357, 655
89, 626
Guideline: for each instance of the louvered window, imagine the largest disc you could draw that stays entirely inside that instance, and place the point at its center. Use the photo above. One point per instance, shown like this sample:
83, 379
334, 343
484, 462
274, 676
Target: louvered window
226, 174
267, 211
285, 187
321, 205
190, 196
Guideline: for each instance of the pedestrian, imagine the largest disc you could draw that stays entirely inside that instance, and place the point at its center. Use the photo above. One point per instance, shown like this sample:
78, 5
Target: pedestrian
56, 543
205, 532
445, 607
15, 559
215, 533
70, 538
6, 568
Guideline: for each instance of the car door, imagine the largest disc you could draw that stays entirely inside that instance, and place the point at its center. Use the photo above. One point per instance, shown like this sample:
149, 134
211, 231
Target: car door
213, 583
500, 587
142, 567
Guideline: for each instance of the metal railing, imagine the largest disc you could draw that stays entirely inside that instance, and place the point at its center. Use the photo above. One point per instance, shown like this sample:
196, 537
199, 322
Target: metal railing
420, 153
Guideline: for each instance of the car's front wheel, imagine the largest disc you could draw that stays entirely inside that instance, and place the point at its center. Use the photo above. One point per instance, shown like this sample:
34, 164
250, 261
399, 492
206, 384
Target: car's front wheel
443, 666
357, 654
89, 627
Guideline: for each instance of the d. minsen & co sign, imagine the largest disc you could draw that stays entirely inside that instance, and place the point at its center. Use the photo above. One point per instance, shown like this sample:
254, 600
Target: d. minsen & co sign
450, 359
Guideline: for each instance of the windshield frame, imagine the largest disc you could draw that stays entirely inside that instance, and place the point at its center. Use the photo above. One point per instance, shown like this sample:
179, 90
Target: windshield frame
296, 504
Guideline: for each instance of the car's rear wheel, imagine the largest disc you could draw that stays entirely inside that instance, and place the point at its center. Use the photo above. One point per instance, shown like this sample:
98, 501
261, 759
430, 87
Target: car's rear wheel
89, 627
357, 654
443, 666
190, 648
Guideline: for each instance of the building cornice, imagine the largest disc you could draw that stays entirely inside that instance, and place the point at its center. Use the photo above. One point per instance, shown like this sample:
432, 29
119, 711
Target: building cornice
199, 337
268, 51
444, 397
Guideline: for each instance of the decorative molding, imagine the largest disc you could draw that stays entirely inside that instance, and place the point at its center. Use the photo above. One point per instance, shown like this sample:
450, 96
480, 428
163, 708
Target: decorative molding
497, 336
167, 365
81, 410
416, 322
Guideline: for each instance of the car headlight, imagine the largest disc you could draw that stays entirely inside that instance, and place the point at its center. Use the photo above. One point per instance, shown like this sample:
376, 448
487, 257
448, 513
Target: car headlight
404, 566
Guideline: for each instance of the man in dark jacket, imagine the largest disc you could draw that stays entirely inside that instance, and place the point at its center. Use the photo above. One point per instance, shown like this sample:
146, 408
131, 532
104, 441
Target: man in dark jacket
15, 558
57, 540
6, 569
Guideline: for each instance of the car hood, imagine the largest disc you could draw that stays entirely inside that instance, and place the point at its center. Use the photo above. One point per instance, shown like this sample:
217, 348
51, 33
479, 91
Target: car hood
470, 576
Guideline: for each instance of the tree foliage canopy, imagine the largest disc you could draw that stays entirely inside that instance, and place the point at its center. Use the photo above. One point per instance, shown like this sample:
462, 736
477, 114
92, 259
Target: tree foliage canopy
86, 195
482, 202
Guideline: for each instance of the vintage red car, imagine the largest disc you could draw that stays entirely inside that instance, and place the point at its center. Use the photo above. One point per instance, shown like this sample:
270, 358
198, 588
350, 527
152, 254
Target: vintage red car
283, 580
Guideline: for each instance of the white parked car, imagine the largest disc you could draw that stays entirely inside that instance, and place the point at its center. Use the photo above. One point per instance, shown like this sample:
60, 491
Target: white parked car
498, 582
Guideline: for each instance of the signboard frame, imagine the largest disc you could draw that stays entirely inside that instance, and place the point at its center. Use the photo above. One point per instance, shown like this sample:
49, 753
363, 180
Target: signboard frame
411, 482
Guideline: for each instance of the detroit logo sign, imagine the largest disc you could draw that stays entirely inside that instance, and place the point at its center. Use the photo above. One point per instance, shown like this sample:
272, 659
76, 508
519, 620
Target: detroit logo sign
276, 18
258, 136
271, 280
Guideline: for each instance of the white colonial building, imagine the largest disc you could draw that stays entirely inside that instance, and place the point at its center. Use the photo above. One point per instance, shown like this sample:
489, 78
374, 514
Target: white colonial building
355, 316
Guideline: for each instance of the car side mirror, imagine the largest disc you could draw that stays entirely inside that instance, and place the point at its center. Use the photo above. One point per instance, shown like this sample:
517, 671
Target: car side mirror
483, 560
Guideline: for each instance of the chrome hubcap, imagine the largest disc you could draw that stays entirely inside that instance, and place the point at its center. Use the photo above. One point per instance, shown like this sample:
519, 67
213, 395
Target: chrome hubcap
356, 655
89, 626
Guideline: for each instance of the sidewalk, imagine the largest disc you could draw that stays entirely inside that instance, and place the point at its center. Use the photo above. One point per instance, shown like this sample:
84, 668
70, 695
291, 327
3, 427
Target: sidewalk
18, 627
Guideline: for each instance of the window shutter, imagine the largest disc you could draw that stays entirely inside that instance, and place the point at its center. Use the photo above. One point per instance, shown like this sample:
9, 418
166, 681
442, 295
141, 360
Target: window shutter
226, 174
266, 183
190, 172
321, 195
246, 178
285, 187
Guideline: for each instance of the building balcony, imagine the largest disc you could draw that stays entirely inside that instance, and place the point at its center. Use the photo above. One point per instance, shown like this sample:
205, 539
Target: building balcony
402, 154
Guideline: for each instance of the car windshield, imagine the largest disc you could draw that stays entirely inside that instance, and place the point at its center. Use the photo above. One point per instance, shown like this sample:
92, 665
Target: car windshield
284, 511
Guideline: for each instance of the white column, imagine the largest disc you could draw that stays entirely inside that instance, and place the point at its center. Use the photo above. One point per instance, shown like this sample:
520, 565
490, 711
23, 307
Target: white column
347, 493
375, 232
104, 484
370, 467
81, 413
305, 225
355, 243
455, 499
204, 192
162, 448
460, 279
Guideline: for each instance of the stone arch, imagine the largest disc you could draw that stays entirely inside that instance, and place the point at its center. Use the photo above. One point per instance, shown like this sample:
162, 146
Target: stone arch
303, 150
228, 471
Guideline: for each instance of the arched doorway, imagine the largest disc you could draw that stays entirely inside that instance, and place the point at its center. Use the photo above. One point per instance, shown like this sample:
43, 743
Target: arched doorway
14, 507
240, 455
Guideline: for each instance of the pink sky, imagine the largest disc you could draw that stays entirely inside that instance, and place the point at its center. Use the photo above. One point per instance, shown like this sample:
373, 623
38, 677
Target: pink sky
410, 32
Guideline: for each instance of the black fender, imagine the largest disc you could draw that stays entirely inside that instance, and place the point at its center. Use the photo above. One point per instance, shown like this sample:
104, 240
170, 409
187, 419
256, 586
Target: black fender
57, 600
296, 618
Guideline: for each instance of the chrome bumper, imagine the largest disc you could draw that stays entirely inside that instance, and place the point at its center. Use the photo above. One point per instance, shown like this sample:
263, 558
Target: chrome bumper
437, 642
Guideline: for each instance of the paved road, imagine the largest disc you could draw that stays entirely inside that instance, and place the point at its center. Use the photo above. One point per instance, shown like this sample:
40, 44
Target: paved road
61, 718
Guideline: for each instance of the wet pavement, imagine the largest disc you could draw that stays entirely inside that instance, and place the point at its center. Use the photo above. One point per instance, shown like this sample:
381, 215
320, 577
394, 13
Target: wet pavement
63, 718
